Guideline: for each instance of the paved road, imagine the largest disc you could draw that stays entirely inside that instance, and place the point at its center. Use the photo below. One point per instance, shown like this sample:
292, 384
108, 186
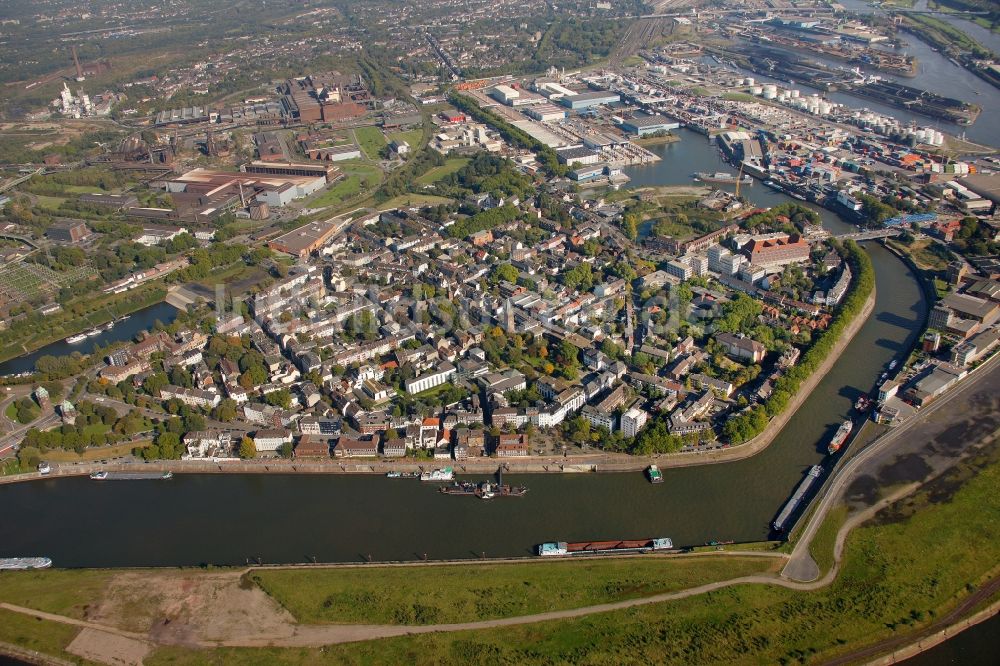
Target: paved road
801, 566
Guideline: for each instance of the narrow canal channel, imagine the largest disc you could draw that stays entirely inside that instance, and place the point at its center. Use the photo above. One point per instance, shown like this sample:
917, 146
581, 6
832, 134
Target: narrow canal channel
225, 519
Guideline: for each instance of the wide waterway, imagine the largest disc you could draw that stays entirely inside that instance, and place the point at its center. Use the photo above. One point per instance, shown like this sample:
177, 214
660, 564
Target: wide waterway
140, 320
225, 519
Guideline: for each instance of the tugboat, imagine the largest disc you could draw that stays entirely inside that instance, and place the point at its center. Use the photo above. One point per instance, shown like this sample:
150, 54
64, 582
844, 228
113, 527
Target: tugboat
840, 437
654, 474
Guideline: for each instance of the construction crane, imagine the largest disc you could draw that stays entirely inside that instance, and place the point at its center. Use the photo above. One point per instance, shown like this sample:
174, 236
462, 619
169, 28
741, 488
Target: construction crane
739, 179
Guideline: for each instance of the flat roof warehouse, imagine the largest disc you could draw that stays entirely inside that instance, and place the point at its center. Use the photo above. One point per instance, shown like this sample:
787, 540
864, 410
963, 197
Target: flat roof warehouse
308, 238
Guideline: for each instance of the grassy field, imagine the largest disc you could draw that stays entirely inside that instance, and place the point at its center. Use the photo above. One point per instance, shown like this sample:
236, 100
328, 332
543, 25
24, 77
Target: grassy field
51, 203
100, 453
359, 176
50, 638
464, 593
821, 547
450, 166
62, 591
412, 137
407, 200
920, 559
371, 141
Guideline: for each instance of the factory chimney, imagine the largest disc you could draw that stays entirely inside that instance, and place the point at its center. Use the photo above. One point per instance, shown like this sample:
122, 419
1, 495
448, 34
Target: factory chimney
76, 61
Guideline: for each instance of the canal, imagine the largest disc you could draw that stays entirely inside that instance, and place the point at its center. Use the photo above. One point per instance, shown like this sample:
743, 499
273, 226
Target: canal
225, 519
140, 320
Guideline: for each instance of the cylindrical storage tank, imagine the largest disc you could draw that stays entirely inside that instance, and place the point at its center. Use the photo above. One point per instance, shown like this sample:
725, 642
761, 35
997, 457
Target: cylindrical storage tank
938, 138
825, 108
748, 81
770, 94
756, 90
920, 135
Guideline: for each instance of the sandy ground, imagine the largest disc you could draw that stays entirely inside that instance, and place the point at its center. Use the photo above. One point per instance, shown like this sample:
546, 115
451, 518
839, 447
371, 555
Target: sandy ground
191, 608
106, 648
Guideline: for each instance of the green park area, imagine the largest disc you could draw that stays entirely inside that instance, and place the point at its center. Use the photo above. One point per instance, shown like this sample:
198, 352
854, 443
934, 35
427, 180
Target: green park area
413, 137
450, 166
371, 141
462, 593
359, 177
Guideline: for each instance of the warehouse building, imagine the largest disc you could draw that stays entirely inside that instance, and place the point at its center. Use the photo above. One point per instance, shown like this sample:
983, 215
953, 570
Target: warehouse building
589, 99
643, 125
547, 113
578, 155
308, 238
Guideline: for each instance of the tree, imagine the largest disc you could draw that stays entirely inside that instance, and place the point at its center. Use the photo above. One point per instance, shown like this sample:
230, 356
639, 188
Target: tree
29, 457
503, 273
285, 450
247, 448
280, 398
226, 411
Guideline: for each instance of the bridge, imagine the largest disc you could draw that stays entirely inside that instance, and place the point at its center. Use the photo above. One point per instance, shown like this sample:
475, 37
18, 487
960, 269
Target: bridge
870, 235
17, 181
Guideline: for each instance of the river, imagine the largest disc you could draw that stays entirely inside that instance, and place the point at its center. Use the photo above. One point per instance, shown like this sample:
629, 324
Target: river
939, 75
140, 320
224, 519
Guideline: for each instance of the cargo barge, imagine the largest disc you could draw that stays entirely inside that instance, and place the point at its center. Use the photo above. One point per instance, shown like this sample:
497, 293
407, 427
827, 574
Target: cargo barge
484, 490
561, 548
132, 476
781, 522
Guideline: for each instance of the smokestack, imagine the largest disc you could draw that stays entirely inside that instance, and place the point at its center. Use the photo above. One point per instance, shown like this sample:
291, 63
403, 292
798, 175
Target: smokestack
76, 61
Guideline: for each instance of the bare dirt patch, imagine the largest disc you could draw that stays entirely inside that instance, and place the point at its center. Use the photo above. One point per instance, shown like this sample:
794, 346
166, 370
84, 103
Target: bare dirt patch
191, 608
106, 648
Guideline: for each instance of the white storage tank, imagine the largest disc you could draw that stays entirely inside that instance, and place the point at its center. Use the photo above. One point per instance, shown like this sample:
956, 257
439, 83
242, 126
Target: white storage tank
748, 81
795, 93
938, 138
756, 90
770, 91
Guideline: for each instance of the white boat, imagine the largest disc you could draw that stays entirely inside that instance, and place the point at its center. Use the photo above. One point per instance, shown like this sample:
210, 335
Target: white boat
110, 325
24, 563
892, 366
74, 339
443, 474
99, 475
44, 468
92, 332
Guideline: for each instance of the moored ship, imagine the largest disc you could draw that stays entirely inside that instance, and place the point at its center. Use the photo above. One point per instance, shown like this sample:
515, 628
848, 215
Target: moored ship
863, 403
840, 436
443, 474
74, 339
721, 177
654, 474
556, 548
135, 476
780, 523
24, 563
484, 490
99, 475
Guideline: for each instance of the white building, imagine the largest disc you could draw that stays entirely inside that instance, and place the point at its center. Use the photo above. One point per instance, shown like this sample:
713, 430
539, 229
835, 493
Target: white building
632, 421
441, 374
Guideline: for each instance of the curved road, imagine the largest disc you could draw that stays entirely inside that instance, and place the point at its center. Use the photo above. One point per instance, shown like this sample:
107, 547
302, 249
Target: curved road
801, 566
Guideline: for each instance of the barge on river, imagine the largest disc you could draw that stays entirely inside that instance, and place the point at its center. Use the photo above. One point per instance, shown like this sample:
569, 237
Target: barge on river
560, 548
132, 476
484, 490
781, 522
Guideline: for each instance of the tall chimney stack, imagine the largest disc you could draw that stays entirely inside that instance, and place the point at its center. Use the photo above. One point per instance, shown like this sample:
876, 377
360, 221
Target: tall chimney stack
76, 61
